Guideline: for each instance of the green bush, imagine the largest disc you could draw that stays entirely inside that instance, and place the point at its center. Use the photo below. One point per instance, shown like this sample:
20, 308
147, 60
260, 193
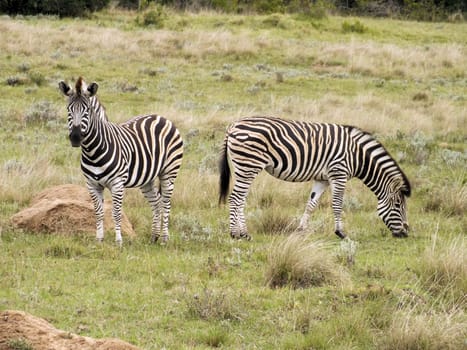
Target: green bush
355, 27
154, 16
62, 8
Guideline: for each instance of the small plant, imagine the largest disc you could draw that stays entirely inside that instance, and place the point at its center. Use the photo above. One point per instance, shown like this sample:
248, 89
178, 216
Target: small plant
19, 344
355, 27
42, 112
301, 264
37, 78
190, 229
16, 80
215, 337
347, 251
23, 67
274, 21
420, 96
420, 147
62, 250
210, 305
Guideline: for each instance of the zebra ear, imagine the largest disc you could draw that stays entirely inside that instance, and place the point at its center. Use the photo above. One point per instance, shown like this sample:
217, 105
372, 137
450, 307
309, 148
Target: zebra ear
92, 89
64, 88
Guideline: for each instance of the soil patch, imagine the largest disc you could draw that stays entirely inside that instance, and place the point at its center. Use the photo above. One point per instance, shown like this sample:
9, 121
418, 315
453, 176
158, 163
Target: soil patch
66, 209
18, 327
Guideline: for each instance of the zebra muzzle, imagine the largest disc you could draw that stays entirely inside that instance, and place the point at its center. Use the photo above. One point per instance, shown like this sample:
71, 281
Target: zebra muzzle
404, 233
75, 136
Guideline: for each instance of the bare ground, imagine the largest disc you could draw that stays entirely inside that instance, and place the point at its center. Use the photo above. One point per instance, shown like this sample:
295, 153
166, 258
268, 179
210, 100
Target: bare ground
21, 327
65, 209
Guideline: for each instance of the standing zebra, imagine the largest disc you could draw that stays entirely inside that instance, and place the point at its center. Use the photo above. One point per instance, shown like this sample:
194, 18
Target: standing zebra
297, 151
116, 156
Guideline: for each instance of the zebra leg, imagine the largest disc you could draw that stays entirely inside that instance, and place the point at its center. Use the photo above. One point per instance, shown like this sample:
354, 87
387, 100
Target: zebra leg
317, 190
337, 189
167, 187
154, 198
237, 202
97, 196
117, 200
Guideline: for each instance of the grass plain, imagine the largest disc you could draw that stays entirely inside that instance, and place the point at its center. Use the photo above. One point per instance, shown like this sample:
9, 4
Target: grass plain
403, 81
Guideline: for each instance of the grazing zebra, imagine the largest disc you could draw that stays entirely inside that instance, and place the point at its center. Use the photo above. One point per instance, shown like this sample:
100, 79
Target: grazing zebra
116, 156
297, 151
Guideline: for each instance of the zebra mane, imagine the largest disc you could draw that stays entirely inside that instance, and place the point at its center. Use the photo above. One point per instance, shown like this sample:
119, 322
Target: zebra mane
79, 85
405, 185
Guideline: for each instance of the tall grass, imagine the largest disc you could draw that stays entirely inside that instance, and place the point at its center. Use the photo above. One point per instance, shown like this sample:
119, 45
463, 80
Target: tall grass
443, 267
430, 330
301, 263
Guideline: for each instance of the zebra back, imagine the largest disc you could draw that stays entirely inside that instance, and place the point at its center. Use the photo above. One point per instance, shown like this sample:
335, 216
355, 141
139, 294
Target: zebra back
302, 151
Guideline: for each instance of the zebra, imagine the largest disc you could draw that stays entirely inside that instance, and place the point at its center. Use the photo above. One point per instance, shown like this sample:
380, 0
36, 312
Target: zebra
118, 156
329, 154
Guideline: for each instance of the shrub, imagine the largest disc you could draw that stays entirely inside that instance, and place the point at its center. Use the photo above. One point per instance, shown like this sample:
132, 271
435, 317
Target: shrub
316, 10
355, 27
37, 78
154, 16
42, 112
63, 8
301, 264
16, 80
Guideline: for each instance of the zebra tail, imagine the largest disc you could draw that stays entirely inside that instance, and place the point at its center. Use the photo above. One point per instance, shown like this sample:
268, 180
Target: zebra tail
224, 178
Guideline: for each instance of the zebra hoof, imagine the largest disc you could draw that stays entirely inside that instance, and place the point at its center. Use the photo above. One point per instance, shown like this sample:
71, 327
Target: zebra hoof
400, 234
340, 234
99, 239
247, 237
119, 243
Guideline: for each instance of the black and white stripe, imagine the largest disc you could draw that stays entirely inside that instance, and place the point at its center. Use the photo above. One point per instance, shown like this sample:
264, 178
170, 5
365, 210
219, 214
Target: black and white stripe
329, 154
117, 156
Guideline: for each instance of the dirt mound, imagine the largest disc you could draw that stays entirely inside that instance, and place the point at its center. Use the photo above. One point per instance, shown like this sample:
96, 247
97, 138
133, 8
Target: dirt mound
19, 327
66, 209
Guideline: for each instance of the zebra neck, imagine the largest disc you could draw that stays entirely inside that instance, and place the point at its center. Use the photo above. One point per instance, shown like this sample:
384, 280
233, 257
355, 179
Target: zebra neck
97, 138
377, 168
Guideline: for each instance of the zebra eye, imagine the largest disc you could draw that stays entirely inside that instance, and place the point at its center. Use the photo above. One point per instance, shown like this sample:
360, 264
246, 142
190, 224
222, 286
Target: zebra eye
398, 203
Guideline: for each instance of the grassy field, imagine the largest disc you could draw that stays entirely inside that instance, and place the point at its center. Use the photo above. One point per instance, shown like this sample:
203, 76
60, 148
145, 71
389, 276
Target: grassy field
403, 81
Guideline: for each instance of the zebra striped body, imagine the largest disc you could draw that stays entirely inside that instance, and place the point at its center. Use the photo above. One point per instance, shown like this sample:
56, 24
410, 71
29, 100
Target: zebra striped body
296, 151
117, 156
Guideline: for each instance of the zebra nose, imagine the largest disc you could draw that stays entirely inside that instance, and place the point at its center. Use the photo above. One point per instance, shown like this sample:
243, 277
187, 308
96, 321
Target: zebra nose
75, 136
406, 226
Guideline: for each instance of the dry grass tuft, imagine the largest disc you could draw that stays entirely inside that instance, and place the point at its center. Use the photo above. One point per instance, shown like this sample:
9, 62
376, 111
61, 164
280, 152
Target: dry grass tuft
443, 268
450, 199
297, 262
428, 330
212, 305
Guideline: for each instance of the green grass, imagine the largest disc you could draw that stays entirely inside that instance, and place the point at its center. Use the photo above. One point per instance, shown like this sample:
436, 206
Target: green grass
403, 81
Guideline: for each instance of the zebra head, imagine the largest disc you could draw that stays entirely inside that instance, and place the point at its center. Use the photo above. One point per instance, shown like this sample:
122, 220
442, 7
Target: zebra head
79, 108
393, 210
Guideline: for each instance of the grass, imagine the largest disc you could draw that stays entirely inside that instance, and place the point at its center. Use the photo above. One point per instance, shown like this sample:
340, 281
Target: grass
302, 264
403, 81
